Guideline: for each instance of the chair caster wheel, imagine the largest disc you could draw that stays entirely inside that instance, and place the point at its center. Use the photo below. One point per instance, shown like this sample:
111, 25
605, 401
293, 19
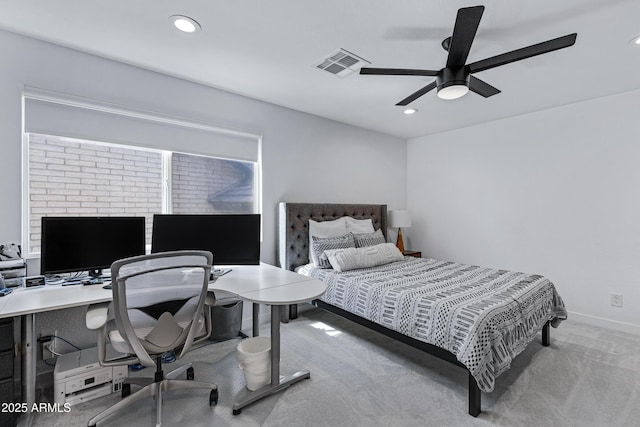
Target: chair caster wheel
237, 411
126, 390
213, 397
190, 374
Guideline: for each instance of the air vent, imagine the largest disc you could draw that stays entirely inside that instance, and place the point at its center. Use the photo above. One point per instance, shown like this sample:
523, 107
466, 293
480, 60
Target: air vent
342, 63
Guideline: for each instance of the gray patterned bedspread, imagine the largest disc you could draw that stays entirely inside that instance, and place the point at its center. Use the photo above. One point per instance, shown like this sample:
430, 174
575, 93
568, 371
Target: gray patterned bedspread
485, 317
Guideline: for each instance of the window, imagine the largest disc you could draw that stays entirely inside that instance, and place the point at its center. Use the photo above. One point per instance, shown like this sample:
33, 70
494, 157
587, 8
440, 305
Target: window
205, 185
72, 177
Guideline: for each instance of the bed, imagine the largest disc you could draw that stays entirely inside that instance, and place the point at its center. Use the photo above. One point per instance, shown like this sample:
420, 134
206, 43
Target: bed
474, 317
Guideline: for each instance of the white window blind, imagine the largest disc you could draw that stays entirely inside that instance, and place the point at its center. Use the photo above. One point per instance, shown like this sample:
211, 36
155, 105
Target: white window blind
51, 113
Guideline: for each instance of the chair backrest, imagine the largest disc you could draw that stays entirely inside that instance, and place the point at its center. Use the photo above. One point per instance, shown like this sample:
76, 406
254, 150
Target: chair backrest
158, 300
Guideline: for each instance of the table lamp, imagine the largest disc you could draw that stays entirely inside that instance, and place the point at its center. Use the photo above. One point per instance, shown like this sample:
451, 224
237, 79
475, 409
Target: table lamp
398, 219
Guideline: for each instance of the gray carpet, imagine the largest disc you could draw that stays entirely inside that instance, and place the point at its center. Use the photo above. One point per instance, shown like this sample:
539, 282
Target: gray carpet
589, 376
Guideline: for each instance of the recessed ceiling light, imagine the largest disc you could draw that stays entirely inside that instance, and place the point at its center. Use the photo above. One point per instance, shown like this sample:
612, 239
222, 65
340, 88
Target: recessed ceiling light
184, 23
636, 40
410, 111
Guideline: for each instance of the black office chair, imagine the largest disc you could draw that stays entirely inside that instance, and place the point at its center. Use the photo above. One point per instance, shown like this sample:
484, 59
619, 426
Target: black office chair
158, 306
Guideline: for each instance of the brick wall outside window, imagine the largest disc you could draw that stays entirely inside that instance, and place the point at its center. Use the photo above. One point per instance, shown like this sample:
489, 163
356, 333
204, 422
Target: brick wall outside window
68, 177
207, 185
78, 178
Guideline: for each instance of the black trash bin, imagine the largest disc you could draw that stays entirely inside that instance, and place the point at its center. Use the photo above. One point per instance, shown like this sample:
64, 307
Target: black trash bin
226, 321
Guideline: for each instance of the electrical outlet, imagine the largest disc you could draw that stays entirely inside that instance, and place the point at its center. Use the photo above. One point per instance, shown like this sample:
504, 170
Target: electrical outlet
45, 350
616, 299
47, 346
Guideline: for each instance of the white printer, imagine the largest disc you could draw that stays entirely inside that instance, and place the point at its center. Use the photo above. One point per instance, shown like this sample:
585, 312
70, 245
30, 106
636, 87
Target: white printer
78, 377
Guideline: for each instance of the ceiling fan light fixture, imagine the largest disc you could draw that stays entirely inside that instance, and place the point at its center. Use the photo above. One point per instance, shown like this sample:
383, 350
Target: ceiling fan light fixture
452, 83
453, 92
184, 23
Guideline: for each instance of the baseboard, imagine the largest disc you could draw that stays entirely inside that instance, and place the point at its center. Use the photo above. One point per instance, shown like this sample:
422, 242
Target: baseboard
605, 323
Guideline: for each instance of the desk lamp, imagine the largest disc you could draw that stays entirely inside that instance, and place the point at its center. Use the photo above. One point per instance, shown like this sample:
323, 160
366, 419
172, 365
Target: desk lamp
398, 219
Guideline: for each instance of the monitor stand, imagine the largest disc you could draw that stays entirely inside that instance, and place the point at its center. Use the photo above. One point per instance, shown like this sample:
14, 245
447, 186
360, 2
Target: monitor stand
97, 273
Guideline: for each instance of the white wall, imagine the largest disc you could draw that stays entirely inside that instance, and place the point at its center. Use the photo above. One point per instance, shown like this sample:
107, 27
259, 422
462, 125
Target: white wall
305, 158
553, 192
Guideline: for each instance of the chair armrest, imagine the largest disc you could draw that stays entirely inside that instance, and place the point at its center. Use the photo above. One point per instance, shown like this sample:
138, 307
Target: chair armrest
97, 315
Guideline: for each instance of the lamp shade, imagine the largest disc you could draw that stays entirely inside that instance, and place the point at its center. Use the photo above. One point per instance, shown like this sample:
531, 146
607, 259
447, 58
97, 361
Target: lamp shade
399, 218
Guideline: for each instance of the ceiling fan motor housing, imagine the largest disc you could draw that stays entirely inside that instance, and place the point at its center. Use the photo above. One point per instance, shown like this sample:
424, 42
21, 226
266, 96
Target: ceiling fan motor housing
452, 77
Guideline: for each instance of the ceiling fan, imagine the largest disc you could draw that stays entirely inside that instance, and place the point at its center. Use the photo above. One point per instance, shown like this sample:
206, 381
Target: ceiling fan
456, 79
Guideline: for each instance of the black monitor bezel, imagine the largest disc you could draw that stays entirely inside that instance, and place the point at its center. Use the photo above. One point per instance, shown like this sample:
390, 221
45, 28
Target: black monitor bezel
94, 269
218, 258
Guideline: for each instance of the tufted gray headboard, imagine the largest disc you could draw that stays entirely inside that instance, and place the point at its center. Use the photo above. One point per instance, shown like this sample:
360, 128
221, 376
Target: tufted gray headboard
293, 226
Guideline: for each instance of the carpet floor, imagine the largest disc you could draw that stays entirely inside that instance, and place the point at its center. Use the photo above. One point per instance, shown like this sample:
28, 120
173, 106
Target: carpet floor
589, 376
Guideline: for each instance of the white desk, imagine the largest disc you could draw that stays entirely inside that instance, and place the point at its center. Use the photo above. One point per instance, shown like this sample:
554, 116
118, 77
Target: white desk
278, 288
28, 302
264, 284
51, 297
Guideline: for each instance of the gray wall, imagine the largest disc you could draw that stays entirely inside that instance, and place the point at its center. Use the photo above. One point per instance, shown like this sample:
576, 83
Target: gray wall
305, 158
553, 192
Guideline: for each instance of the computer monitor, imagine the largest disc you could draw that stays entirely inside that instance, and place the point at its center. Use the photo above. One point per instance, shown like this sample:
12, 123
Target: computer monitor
78, 244
232, 239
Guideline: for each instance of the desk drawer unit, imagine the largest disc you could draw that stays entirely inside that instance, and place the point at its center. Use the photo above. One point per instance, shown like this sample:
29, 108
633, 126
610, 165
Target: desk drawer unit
9, 375
6, 334
6, 365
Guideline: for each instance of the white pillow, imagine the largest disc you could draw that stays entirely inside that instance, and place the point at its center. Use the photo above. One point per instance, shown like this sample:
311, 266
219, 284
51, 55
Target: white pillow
335, 228
359, 225
368, 256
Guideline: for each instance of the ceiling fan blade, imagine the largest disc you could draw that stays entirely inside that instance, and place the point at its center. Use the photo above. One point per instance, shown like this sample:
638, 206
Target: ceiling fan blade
482, 88
523, 53
397, 72
464, 32
409, 99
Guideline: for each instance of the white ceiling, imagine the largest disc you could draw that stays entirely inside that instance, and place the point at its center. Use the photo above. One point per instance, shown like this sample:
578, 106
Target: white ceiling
268, 49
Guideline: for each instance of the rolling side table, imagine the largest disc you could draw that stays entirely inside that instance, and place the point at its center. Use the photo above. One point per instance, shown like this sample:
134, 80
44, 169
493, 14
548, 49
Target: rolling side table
266, 284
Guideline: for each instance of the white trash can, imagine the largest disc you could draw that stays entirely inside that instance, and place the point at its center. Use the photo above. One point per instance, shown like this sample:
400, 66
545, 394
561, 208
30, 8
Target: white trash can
254, 357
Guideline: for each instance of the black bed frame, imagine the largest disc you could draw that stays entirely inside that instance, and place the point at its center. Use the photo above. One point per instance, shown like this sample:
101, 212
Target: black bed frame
474, 391
293, 252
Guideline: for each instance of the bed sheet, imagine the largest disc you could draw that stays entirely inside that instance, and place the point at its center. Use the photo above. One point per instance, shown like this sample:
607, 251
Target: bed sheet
484, 316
